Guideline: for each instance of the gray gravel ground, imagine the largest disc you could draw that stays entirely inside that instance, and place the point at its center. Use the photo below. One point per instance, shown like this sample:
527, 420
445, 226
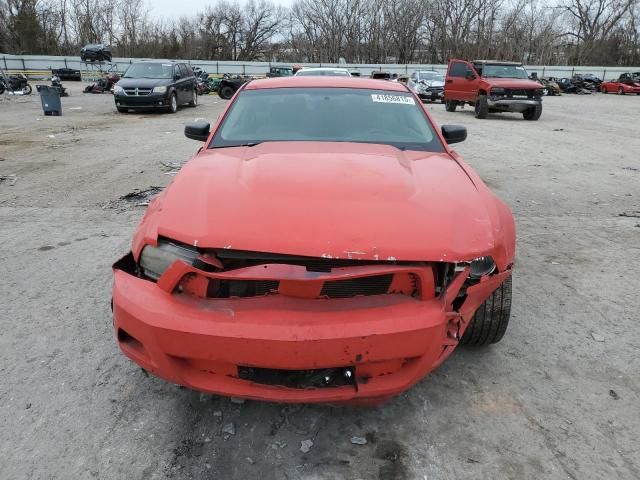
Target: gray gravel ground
557, 398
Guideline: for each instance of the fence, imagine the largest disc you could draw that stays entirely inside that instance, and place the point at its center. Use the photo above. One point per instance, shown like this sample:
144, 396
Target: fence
41, 66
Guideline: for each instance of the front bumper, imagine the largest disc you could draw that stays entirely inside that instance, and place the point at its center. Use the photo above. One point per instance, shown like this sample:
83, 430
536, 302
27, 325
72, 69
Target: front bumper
142, 102
512, 105
435, 95
389, 341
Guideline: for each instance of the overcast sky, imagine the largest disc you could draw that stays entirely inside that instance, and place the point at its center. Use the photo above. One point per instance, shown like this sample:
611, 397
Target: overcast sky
177, 9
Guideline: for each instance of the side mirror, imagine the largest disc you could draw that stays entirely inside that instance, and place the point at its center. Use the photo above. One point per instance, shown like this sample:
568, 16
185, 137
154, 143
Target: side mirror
454, 133
197, 131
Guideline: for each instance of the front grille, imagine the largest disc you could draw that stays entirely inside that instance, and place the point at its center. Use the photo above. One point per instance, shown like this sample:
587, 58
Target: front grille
319, 378
522, 93
352, 287
137, 92
241, 288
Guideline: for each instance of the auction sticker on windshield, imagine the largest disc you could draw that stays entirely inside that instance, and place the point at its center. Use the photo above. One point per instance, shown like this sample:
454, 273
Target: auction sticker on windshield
383, 98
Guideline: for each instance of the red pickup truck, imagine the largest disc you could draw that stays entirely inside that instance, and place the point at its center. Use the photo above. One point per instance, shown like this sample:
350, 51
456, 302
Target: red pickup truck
492, 86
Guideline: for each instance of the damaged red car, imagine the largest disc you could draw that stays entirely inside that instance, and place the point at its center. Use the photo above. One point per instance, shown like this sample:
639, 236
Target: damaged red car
324, 245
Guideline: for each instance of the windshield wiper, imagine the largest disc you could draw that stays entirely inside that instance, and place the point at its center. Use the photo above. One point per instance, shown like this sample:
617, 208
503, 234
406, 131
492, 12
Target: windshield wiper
248, 144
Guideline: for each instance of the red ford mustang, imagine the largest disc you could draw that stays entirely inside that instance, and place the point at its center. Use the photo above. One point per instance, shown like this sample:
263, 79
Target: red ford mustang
325, 245
625, 84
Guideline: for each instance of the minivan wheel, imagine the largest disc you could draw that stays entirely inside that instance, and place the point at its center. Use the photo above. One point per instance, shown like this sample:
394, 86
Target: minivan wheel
173, 103
194, 99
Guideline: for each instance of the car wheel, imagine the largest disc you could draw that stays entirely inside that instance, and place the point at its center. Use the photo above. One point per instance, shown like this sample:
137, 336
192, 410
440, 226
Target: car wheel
450, 105
26, 90
490, 321
226, 92
481, 107
533, 113
620, 91
122, 110
173, 103
604, 90
194, 99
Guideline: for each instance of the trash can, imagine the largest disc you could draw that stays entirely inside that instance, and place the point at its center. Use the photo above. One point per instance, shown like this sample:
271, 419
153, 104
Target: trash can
50, 98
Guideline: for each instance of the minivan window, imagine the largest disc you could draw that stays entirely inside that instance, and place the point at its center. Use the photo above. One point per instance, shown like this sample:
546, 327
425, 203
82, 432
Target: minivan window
149, 70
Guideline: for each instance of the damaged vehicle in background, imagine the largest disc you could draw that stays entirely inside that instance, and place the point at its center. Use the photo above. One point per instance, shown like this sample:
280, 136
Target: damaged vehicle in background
492, 87
428, 85
95, 52
336, 255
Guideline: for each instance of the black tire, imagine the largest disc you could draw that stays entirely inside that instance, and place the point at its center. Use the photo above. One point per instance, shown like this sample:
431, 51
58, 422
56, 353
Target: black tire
194, 99
173, 103
482, 107
226, 92
620, 91
490, 321
122, 109
603, 90
450, 105
533, 113
26, 90
1, 89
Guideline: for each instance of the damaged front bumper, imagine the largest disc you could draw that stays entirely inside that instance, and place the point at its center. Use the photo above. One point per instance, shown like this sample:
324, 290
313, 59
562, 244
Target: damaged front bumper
518, 105
286, 348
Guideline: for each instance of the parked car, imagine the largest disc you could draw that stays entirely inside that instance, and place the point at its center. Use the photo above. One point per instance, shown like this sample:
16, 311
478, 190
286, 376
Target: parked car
323, 72
381, 75
625, 84
95, 52
428, 85
65, 74
156, 85
491, 87
229, 84
280, 72
265, 271
588, 79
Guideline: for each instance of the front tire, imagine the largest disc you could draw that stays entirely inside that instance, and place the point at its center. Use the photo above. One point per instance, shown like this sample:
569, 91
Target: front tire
490, 321
482, 107
450, 105
173, 103
122, 110
194, 99
620, 91
226, 92
533, 113
26, 90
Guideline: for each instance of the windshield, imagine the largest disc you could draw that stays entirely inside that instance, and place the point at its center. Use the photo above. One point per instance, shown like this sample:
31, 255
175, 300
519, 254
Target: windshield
327, 115
430, 76
504, 71
149, 70
322, 73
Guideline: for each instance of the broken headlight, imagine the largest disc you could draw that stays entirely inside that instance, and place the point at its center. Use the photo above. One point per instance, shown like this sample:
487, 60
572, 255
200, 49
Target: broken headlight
155, 260
482, 266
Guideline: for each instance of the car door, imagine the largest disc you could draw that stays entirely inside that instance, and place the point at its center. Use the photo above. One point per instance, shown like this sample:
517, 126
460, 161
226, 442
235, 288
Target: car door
458, 83
190, 84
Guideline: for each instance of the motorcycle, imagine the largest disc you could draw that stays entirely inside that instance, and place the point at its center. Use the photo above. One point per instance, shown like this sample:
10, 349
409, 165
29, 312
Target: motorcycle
15, 84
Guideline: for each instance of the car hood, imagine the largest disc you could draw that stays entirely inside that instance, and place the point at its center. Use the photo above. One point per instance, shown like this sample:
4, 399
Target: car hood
143, 82
332, 200
433, 83
512, 83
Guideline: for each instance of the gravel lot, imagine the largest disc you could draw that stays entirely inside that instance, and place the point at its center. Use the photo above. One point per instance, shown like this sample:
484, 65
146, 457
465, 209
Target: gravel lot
557, 398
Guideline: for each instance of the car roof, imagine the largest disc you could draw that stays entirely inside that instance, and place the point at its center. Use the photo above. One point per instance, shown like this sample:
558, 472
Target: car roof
498, 62
325, 82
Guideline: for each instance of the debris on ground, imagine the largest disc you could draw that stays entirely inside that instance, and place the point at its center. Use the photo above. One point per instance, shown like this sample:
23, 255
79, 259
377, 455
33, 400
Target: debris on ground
229, 428
12, 178
614, 394
358, 440
217, 413
305, 446
237, 401
250, 460
633, 169
558, 129
597, 337
555, 263
207, 439
137, 198
634, 214
28, 405
203, 397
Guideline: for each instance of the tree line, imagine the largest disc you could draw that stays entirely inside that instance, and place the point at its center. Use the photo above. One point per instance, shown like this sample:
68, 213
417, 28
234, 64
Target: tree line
546, 32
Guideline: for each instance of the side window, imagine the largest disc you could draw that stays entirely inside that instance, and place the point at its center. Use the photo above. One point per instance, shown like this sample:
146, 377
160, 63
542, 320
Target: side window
458, 69
187, 69
183, 70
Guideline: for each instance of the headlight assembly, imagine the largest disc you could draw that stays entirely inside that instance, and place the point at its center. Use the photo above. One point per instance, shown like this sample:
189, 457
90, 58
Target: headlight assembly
118, 89
159, 89
155, 260
482, 266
